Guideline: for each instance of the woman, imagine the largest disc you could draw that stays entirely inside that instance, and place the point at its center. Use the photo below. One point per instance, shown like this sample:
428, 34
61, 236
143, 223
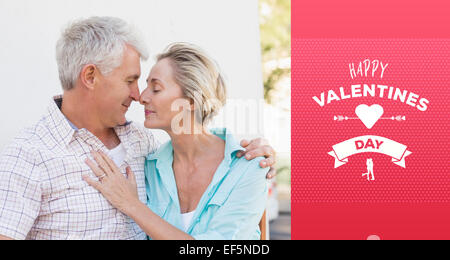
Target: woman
197, 188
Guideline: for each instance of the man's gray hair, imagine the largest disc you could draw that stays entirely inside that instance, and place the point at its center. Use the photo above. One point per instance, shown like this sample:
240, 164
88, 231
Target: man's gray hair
97, 40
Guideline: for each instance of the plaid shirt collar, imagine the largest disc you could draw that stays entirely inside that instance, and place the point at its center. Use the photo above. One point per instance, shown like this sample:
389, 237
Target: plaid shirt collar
58, 124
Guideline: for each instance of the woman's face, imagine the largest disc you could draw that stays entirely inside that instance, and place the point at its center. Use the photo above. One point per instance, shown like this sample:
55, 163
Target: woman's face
161, 93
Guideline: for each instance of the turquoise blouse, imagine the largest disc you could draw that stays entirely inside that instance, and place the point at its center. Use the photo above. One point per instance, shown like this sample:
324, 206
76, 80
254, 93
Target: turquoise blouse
231, 206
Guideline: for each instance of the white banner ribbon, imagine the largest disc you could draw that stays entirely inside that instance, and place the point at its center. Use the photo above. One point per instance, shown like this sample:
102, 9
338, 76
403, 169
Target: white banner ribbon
369, 144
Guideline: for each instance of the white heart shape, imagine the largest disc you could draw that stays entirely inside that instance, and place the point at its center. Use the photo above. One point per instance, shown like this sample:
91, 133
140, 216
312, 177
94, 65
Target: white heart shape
369, 115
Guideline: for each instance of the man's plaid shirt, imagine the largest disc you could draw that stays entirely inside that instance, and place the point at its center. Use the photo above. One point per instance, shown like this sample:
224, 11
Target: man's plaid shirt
42, 194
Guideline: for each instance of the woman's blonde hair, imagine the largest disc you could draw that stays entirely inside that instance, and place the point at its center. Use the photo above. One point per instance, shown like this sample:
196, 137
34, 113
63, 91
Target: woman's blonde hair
199, 77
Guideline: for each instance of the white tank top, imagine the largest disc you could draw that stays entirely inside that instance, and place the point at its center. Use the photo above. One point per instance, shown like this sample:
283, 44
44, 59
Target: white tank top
186, 219
118, 154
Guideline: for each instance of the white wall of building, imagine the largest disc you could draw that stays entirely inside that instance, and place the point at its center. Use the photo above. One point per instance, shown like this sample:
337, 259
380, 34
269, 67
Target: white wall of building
228, 30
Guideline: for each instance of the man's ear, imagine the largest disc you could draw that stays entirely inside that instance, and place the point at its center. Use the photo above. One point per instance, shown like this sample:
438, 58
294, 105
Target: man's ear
88, 75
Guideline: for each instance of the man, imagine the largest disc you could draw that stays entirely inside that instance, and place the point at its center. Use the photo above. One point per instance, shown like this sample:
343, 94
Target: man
42, 194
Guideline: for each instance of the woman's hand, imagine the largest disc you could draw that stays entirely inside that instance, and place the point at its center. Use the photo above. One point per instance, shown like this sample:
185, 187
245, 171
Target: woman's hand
119, 190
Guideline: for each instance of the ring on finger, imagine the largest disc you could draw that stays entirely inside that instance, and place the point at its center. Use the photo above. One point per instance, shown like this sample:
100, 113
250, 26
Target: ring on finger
101, 177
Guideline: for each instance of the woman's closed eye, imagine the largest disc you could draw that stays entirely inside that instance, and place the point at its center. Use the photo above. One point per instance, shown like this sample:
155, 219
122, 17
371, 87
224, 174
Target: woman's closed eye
156, 89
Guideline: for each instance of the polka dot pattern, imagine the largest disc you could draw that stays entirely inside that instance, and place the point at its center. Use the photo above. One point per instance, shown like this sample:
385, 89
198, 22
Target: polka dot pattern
420, 66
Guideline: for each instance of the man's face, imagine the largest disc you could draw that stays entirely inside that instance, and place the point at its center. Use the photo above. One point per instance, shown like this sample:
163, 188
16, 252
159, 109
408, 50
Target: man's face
117, 90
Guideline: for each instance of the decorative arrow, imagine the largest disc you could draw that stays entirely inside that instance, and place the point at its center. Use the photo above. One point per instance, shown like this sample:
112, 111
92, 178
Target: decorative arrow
342, 118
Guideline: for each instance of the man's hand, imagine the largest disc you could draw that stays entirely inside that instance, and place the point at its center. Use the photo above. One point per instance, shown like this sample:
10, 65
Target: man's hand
260, 147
